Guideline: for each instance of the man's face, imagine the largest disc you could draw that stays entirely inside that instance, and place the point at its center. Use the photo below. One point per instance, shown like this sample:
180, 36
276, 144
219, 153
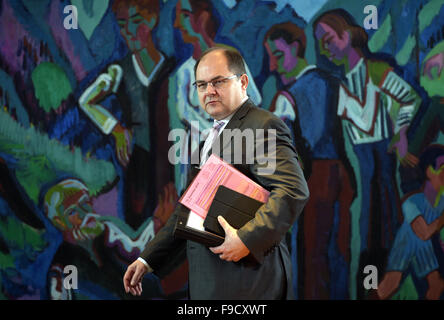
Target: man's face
283, 57
221, 102
134, 27
331, 45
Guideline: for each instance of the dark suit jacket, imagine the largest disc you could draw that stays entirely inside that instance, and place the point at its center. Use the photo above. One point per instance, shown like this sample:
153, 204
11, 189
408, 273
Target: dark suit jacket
266, 272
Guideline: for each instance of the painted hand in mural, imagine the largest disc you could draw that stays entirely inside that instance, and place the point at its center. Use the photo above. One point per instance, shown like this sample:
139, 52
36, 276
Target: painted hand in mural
406, 158
123, 138
166, 203
232, 249
401, 147
105, 85
436, 61
410, 160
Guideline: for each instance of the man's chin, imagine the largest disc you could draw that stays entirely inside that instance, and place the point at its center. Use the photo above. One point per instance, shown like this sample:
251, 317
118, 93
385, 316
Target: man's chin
212, 109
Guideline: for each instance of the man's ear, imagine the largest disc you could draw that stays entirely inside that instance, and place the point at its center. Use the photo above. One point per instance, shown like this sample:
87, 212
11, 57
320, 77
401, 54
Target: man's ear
244, 81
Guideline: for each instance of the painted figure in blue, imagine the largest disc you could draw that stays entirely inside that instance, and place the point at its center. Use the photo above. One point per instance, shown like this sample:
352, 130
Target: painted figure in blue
376, 107
423, 218
308, 106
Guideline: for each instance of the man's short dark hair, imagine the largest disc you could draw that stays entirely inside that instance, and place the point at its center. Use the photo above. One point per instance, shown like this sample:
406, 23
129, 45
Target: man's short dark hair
235, 61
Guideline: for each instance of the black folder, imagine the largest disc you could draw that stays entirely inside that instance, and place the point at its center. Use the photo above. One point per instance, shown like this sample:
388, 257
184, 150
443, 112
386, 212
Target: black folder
235, 207
181, 230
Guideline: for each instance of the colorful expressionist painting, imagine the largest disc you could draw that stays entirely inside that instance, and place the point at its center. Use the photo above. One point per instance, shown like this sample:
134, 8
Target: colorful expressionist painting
91, 90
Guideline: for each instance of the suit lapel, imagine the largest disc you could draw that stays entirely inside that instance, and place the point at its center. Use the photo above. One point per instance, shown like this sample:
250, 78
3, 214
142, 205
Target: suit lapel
235, 122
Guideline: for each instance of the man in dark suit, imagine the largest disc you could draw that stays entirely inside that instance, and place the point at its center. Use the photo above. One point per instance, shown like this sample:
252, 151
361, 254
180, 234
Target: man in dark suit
253, 262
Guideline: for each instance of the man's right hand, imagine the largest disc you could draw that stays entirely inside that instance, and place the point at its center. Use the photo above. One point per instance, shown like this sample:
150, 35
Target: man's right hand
132, 280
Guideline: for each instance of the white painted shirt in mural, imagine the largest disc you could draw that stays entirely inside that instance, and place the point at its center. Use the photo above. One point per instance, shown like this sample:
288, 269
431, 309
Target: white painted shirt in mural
146, 80
367, 107
100, 116
116, 235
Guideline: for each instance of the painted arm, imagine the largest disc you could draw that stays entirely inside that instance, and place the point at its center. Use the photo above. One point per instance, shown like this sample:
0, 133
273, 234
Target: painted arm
409, 101
425, 231
104, 85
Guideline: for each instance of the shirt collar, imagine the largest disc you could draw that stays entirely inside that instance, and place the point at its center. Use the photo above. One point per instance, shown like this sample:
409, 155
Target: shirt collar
224, 120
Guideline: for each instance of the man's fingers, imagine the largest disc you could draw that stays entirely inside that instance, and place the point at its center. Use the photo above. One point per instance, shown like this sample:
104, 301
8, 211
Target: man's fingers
217, 250
139, 288
128, 274
127, 278
133, 291
224, 224
136, 276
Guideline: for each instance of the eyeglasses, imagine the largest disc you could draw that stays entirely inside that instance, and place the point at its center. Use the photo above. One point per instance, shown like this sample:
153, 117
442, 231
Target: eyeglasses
216, 83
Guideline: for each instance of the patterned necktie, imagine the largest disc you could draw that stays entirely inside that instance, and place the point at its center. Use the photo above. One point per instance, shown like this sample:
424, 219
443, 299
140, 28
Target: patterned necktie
217, 125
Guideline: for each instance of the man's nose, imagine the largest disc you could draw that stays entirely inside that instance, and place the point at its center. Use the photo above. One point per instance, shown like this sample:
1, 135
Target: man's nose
210, 89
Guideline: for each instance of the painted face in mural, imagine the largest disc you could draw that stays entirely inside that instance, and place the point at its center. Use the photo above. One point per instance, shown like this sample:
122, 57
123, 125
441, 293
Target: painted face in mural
283, 58
432, 76
332, 45
220, 102
186, 21
69, 208
134, 27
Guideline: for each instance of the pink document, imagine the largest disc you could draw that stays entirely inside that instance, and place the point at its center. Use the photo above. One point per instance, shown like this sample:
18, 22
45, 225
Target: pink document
215, 172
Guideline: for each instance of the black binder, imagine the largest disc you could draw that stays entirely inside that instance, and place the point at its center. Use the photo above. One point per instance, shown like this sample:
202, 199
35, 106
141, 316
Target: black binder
181, 230
236, 208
